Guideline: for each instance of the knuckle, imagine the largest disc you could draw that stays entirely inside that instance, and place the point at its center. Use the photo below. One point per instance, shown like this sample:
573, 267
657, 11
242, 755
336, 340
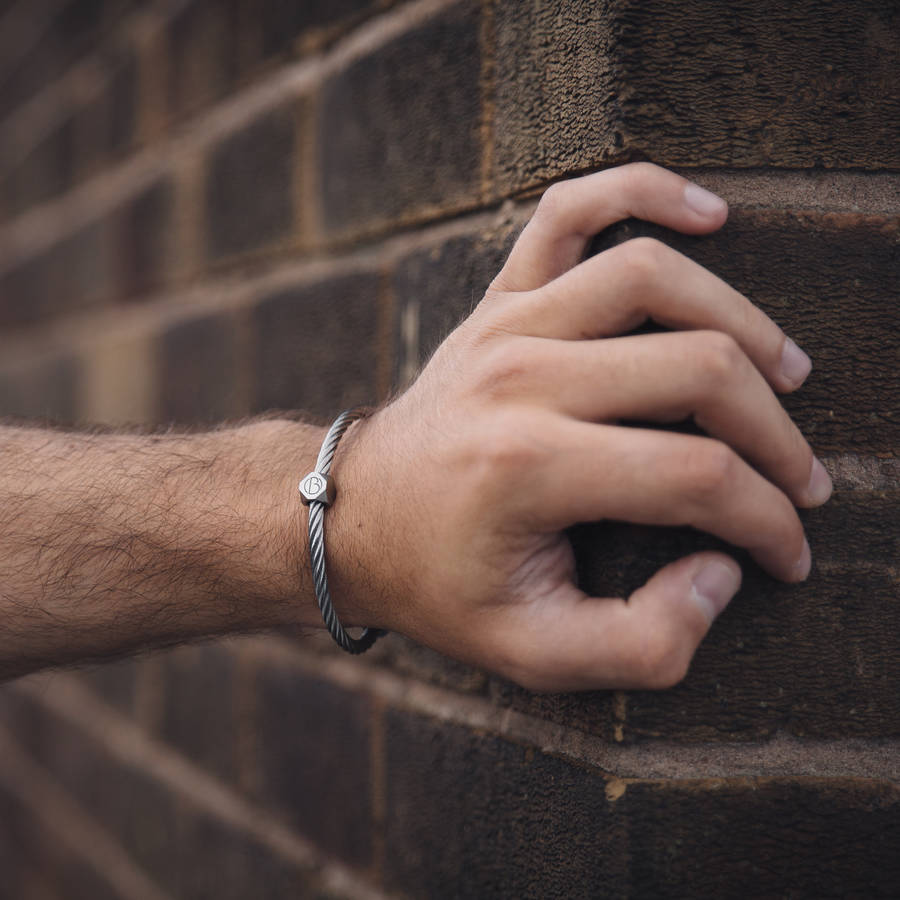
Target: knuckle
721, 357
501, 372
507, 444
553, 200
641, 260
710, 469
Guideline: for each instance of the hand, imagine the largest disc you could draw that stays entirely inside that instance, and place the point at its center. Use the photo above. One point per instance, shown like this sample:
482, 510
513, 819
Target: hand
455, 496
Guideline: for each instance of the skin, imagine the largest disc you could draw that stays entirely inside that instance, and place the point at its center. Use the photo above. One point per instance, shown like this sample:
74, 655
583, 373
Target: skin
453, 499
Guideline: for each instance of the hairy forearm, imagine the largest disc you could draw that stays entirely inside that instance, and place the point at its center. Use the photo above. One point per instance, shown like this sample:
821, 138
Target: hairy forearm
111, 543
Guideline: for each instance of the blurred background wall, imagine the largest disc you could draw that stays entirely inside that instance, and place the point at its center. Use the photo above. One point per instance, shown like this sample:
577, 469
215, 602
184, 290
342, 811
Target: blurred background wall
209, 209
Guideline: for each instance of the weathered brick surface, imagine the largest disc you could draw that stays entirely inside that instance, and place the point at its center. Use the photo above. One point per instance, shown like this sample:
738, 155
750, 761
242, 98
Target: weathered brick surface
817, 659
444, 283
250, 185
514, 823
807, 838
781, 87
197, 362
398, 130
314, 761
829, 280
470, 815
315, 345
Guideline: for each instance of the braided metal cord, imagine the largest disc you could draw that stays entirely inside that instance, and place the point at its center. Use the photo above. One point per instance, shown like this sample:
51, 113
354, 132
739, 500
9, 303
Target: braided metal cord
317, 544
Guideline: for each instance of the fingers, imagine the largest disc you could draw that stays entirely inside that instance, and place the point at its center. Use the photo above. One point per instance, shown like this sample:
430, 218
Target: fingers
571, 212
670, 378
576, 642
663, 478
617, 290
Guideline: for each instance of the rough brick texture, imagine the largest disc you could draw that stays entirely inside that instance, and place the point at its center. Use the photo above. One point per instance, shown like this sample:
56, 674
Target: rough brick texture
213, 209
398, 131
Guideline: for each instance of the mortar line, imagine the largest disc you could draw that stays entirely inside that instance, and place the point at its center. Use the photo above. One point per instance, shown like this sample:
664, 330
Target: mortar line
61, 814
663, 760
118, 736
44, 225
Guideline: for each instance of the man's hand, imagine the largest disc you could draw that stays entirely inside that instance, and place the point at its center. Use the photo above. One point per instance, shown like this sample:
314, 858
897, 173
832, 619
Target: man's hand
454, 498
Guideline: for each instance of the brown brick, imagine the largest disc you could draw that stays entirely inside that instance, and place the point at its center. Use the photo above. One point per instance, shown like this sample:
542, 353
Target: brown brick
782, 87
316, 345
828, 280
444, 283
778, 838
73, 274
179, 847
198, 370
143, 235
314, 760
283, 22
470, 815
250, 185
114, 682
201, 55
817, 659
199, 717
106, 124
41, 389
37, 865
47, 170
399, 129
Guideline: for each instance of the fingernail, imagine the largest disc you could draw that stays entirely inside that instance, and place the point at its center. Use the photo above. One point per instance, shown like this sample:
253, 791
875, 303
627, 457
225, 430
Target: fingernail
702, 201
820, 485
714, 585
795, 364
803, 564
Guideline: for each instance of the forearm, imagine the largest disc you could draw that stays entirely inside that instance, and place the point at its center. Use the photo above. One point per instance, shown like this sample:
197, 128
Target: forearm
110, 543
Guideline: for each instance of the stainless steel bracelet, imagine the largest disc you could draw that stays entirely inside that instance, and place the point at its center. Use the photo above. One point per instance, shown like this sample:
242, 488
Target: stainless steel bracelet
317, 491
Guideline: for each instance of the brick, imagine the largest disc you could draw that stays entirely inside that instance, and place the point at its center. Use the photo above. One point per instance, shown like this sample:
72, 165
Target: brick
143, 234
815, 660
73, 29
41, 389
444, 283
199, 717
250, 185
74, 274
186, 852
399, 129
819, 276
768, 838
591, 83
115, 682
198, 370
316, 345
106, 125
117, 384
283, 21
314, 761
470, 815
201, 55
47, 171
36, 865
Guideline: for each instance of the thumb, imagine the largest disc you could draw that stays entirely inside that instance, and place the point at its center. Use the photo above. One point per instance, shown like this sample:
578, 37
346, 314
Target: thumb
579, 642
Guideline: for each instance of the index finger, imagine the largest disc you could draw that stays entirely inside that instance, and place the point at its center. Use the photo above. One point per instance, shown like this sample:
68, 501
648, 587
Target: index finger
572, 212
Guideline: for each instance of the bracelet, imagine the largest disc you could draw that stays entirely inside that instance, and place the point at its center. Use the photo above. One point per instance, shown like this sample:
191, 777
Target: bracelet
317, 491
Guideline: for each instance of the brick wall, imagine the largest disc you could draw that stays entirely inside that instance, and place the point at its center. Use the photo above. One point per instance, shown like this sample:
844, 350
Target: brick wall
189, 188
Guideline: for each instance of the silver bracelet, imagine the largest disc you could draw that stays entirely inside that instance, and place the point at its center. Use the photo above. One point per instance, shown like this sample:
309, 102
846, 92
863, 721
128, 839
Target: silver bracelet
317, 491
